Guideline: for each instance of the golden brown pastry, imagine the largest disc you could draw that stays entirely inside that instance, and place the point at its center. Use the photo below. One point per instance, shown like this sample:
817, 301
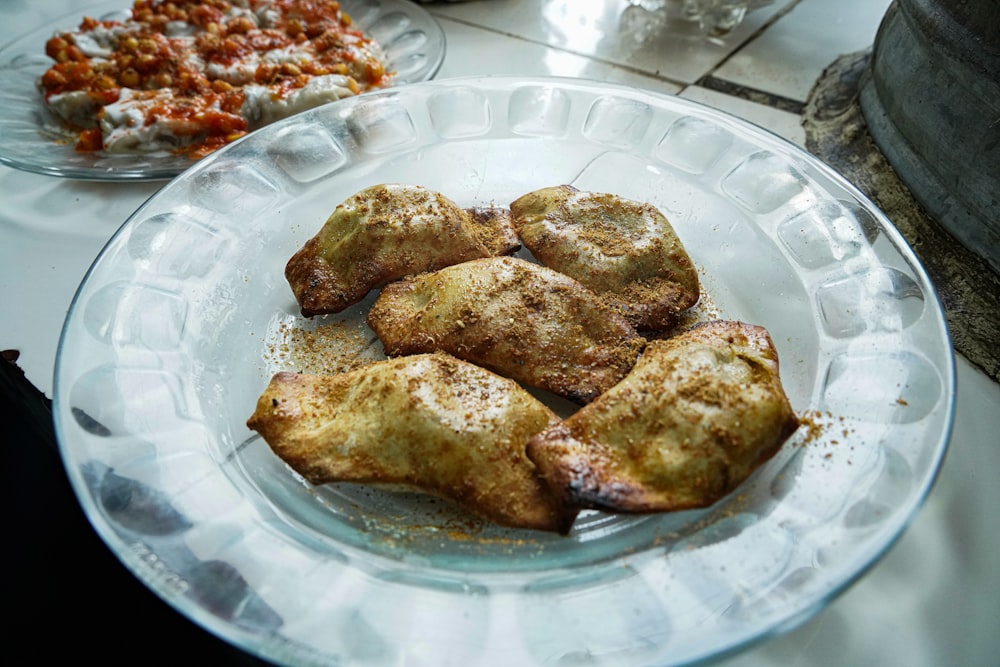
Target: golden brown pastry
515, 317
383, 233
430, 422
494, 228
698, 413
625, 251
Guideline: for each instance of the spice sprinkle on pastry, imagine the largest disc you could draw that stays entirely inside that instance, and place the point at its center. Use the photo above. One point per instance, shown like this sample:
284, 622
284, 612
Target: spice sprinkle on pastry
626, 251
386, 232
430, 423
696, 416
516, 318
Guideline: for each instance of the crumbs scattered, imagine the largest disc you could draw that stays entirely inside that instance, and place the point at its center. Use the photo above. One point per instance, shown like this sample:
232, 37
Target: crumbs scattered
827, 429
816, 424
328, 348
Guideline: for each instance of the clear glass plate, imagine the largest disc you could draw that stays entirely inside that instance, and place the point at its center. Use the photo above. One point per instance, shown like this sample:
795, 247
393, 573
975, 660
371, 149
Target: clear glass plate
186, 314
32, 139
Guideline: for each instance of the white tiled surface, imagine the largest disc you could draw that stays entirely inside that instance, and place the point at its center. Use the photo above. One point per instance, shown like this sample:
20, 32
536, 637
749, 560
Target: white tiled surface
934, 600
506, 55
790, 55
612, 31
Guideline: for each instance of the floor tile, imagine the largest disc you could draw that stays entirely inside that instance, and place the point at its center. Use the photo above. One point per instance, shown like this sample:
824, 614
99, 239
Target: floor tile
612, 31
511, 56
782, 123
790, 55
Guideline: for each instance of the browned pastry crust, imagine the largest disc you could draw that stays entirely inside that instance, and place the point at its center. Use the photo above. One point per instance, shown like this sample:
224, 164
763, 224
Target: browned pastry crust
515, 317
430, 422
698, 414
494, 228
625, 251
383, 233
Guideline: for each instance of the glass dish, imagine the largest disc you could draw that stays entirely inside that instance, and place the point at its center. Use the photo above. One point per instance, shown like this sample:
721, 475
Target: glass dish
186, 314
32, 139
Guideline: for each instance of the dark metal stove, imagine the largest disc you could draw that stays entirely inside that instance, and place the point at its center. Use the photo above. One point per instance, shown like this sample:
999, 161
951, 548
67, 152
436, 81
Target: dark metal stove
915, 124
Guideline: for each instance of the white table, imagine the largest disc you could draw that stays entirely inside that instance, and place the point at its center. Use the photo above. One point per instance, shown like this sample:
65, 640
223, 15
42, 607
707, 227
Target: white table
933, 600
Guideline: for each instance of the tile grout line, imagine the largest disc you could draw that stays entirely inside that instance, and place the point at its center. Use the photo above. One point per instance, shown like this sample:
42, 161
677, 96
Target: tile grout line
778, 15
603, 61
749, 94
708, 81
720, 85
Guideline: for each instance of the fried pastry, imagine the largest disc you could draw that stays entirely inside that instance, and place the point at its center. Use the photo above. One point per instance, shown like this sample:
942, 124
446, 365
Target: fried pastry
625, 251
515, 317
431, 423
698, 414
386, 232
494, 228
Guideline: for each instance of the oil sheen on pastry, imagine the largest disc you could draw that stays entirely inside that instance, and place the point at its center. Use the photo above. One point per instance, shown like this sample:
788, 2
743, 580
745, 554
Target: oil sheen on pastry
385, 232
695, 417
624, 250
430, 423
515, 317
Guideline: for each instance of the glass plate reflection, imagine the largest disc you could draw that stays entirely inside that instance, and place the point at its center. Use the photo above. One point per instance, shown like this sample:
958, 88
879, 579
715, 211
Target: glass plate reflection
186, 314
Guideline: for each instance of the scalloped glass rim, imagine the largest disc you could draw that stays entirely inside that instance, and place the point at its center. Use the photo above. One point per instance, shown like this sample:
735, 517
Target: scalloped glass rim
150, 402
31, 138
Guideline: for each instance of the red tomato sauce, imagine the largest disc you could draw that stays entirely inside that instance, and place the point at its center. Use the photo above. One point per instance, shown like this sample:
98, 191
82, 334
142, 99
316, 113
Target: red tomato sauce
176, 46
